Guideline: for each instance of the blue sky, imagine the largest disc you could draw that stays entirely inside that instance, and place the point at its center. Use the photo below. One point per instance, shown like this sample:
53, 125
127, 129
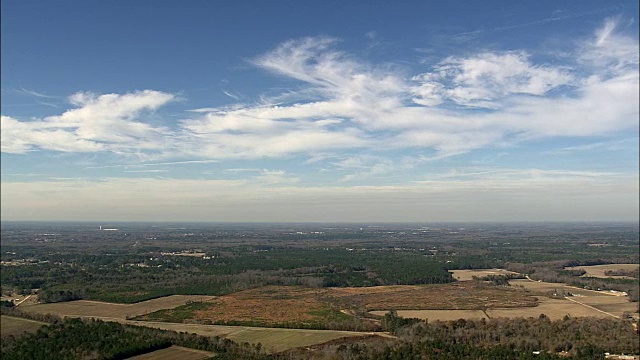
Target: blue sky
277, 111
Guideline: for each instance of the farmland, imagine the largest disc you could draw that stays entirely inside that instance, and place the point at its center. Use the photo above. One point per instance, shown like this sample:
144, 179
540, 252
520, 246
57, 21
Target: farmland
600, 270
15, 326
175, 353
441, 315
465, 275
272, 339
544, 288
581, 303
338, 308
555, 309
462, 295
281, 306
102, 309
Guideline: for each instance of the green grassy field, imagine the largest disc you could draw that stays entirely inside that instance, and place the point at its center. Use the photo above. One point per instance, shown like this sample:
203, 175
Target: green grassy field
10, 325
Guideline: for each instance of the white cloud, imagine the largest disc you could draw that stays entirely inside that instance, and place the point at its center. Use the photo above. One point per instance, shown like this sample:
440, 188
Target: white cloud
608, 53
21, 137
482, 79
267, 176
464, 103
98, 123
616, 145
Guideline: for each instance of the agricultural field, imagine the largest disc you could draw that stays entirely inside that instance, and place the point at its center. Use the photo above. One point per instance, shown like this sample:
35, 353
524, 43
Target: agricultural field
599, 270
544, 288
462, 295
440, 315
614, 305
15, 326
583, 303
466, 275
86, 308
555, 309
269, 306
336, 308
175, 353
272, 339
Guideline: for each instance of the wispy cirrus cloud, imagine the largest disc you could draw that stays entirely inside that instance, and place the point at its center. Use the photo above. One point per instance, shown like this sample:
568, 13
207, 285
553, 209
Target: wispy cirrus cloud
97, 123
461, 104
486, 79
616, 145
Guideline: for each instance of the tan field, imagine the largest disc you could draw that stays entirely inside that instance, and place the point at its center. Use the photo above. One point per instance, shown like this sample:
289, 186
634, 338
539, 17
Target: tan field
15, 326
554, 309
614, 305
620, 309
272, 339
599, 270
465, 275
272, 305
269, 305
441, 315
462, 295
174, 353
584, 302
103, 309
542, 288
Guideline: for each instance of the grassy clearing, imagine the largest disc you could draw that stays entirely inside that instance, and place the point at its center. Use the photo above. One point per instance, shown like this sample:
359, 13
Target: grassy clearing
276, 341
619, 309
543, 288
10, 325
441, 315
175, 353
272, 339
466, 275
270, 306
179, 314
599, 270
555, 309
339, 308
462, 295
102, 309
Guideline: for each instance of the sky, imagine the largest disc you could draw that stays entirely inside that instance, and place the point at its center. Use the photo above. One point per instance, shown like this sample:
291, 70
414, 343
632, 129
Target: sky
327, 111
